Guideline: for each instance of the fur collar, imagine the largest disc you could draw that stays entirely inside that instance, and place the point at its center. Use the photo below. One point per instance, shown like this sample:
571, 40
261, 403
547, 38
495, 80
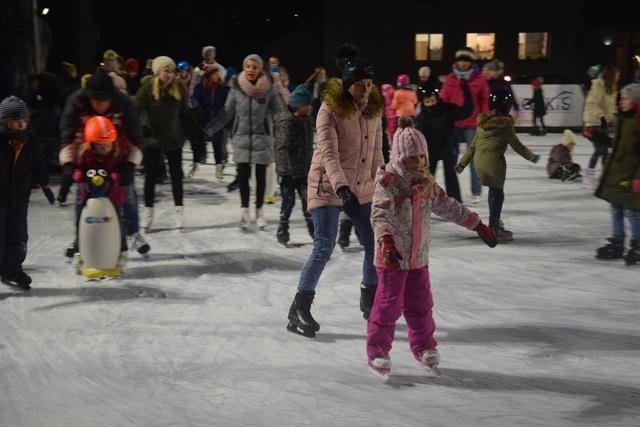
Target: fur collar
341, 104
258, 90
492, 121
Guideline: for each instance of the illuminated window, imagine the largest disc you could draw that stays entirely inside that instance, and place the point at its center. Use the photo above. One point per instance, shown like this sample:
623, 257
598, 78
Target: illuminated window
429, 47
533, 45
483, 44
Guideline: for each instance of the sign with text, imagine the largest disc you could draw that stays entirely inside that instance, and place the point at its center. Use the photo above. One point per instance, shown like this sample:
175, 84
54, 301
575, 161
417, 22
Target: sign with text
564, 102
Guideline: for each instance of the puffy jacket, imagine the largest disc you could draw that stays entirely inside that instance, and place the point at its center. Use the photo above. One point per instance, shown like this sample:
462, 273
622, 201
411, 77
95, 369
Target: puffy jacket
452, 92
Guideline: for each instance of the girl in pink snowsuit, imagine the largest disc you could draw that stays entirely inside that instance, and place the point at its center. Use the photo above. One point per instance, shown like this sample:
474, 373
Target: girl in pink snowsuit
405, 195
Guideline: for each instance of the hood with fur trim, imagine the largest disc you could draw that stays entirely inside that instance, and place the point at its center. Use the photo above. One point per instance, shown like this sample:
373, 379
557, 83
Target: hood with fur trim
339, 102
489, 121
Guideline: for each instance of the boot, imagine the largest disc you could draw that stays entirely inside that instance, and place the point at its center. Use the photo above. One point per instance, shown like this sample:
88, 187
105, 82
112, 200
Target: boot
344, 232
244, 218
233, 185
179, 214
310, 226
283, 232
71, 250
19, 279
260, 221
300, 319
633, 256
613, 250
137, 243
147, 217
192, 170
219, 171
503, 235
367, 295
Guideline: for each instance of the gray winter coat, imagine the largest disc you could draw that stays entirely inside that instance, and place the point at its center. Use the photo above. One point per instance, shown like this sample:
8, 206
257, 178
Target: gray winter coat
251, 134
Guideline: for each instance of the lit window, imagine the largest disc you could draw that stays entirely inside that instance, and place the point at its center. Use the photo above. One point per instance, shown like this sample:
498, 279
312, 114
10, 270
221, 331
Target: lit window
533, 45
429, 47
483, 44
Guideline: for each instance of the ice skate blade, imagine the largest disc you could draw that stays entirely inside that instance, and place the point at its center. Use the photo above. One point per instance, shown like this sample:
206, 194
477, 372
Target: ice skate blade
309, 333
434, 369
16, 285
381, 373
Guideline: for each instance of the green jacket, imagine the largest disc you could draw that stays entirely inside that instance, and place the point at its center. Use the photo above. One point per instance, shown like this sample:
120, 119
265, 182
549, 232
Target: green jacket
161, 120
493, 135
623, 165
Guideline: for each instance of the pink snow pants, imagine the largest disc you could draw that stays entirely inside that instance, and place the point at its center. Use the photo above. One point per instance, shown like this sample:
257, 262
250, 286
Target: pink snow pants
406, 292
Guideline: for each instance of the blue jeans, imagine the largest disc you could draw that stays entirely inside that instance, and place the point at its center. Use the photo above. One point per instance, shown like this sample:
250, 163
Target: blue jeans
466, 135
620, 210
325, 222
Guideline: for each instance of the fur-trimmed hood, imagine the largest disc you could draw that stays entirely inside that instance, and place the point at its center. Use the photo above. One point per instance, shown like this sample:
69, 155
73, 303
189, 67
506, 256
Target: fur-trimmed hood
340, 103
489, 121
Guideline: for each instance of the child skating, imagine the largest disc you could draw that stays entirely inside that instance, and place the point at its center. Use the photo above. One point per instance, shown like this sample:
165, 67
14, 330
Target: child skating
405, 196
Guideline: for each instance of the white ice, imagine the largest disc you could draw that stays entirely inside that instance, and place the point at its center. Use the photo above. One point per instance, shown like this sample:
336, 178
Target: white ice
533, 333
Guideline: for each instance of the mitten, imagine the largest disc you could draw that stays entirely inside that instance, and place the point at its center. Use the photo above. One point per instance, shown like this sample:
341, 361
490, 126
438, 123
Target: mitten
350, 202
488, 235
535, 158
390, 253
77, 176
458, 168
49, 195
635, 185
126, 174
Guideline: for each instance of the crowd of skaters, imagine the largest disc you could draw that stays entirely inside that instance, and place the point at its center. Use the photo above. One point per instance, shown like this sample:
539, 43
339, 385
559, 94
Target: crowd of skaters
340, 144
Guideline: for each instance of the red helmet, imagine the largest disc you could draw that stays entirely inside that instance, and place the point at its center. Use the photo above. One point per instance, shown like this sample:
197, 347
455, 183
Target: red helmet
100, 130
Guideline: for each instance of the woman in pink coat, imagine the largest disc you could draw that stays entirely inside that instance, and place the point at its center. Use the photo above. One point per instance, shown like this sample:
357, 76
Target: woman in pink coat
405, 195
348, 152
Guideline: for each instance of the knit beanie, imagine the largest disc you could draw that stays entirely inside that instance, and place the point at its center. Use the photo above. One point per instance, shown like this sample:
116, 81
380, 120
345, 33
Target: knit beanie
465, 54
568, 137
407, 142
355, 69
254, 57
13, 108
632, 91
495, 65
300, 96
207, 49
100, 86
131, 64
161, 62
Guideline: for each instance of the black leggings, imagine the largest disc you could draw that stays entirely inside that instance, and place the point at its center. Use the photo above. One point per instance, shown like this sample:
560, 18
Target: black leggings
244, 174
152, 161
600, 143
496, 199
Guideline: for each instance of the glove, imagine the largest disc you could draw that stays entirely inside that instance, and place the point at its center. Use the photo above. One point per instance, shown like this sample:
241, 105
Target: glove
389, 252
458, 168
535, 158
488, 235
126, 174
77, 176
603, 122
49, 195
635, 185
350, 202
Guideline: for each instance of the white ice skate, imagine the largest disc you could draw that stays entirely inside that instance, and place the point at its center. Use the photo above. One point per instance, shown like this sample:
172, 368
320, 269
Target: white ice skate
430, 359
380, 367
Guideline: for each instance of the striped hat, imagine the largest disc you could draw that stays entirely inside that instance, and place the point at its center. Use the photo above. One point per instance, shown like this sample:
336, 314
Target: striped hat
13, 108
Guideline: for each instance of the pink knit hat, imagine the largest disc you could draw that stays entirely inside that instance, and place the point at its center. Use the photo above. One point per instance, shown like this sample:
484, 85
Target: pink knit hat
408, 141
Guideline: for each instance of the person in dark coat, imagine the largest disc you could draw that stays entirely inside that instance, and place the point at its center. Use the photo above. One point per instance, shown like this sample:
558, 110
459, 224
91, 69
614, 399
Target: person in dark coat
436, 122
293, 150
620, 181
560, 164
21, 165
539, 107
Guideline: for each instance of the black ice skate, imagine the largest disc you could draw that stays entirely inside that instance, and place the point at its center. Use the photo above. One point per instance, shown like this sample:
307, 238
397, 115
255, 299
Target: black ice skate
344, 233
613, 250
503, 236
283, 232
300, 319
367, 295
71, 250
18, 279
633, 256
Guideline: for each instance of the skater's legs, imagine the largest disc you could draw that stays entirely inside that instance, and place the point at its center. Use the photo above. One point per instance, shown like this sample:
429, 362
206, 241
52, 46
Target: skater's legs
466, 135
633, 216
15, 238
496, 200
386, 310
152, 164
288, 195
417, 310
362, 224
617, 219
261, 181
175, 170
130, 213
325, 222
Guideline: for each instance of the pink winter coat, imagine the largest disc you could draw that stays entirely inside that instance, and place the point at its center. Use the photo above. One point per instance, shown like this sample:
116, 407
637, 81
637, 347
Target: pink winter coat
402, 210
452, 93
348, 150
